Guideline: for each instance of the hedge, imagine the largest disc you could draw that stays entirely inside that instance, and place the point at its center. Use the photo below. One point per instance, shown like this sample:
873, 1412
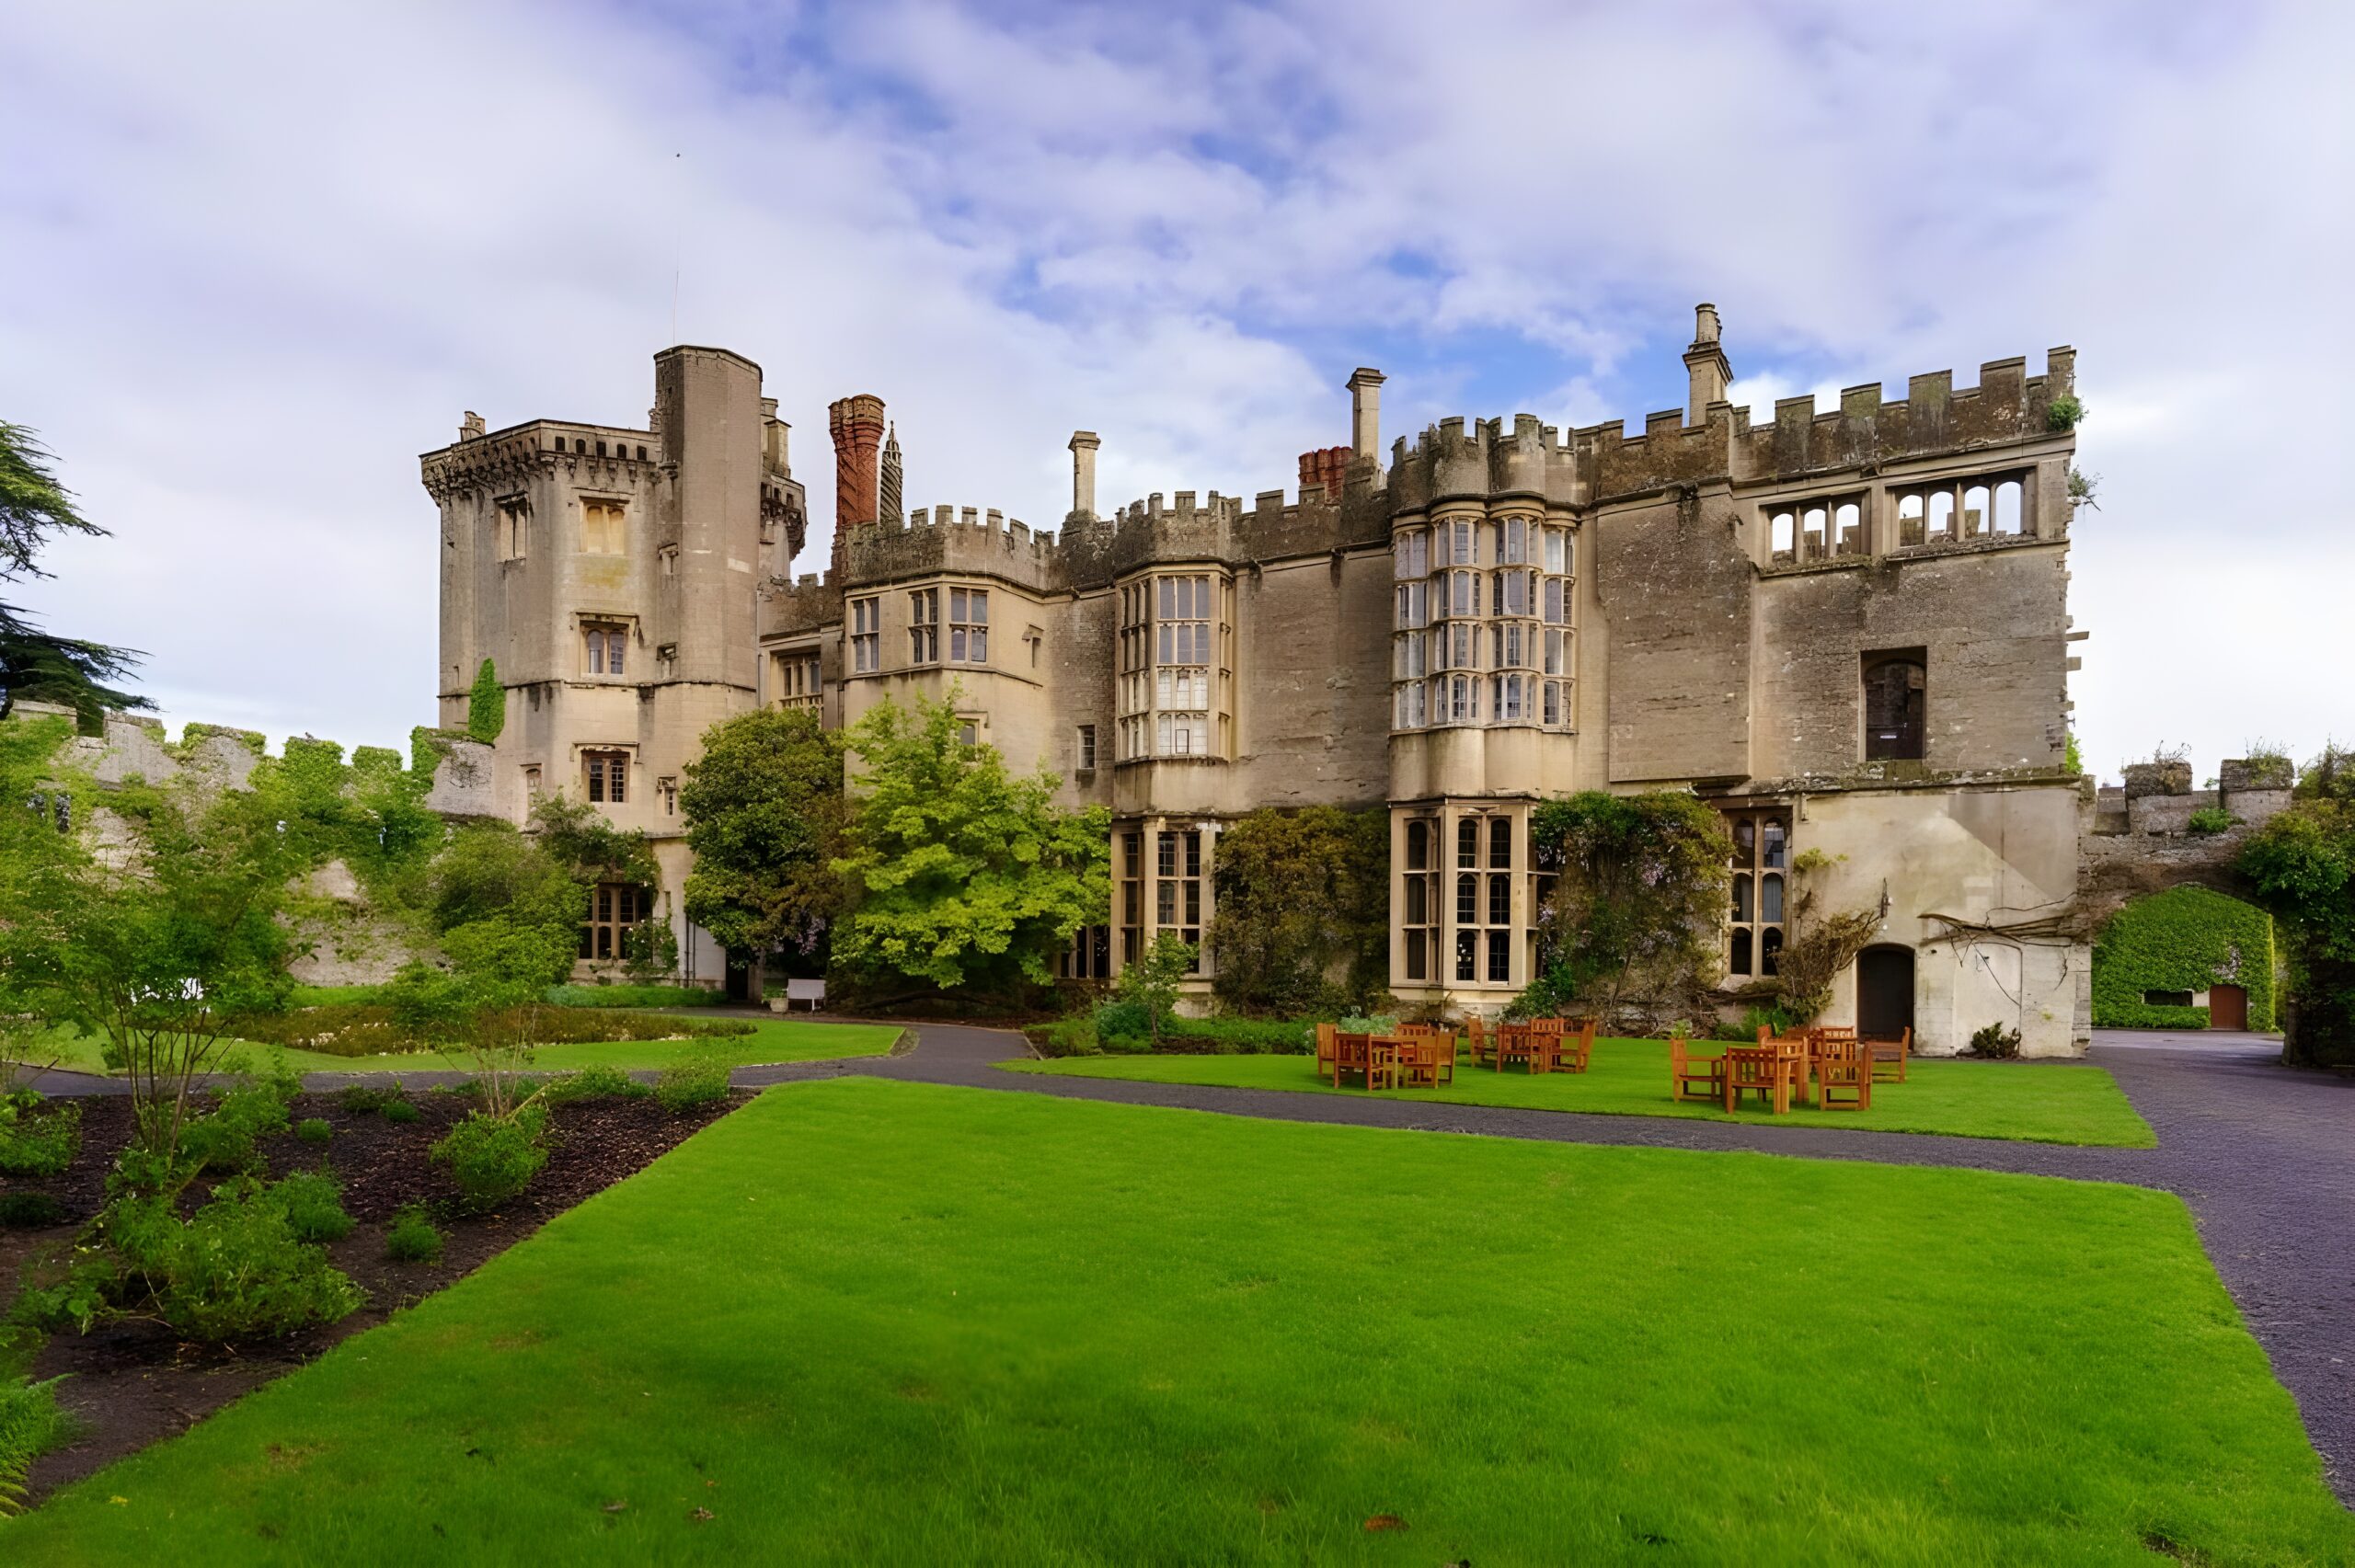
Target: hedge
2184, 939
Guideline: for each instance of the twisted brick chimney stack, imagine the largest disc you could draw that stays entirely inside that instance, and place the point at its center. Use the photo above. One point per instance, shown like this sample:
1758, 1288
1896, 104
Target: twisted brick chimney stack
856, 425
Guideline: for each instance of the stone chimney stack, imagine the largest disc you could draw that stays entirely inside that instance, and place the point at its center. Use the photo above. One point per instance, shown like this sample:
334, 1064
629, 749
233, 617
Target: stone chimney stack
1083, 473
1706, 365
774, 438
888, 483
1365, 413
857, 424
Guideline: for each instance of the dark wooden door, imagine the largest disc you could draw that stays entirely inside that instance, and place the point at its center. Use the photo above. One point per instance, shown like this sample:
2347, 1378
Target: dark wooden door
2227, 1007
1884, 992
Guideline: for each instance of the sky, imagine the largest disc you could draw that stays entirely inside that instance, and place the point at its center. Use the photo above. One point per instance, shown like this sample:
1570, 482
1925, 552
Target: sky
256, 258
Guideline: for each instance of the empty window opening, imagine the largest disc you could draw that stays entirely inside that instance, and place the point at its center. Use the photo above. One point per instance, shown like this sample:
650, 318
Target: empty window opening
1941, 517
1785, 537
1975, 512
2009, 516
1848, 528
1896, 708
1911, 519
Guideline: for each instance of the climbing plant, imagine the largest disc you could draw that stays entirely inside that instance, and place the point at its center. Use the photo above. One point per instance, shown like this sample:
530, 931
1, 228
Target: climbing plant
2187, 939
486, 705
2301, 865
1636, 903
1303, 920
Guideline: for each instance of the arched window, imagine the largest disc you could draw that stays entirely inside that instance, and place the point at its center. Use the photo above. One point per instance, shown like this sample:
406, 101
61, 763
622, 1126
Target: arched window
1467, 899
1468, 841
1770, 898
1941, 516
1770, 950
1742, 896
1500, 843
1740, 962
1811, 528
1848, 528
2007, 507
1418, 846
1908, 520
1784, 528
1975, 519
1895, 706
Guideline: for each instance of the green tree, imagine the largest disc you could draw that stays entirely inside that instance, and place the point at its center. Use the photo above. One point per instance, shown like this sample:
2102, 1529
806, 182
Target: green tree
34, 664
487, 704
2301, 868
1303, 920
1151, 981
764, 813
156, 934
1640, 892
962, 873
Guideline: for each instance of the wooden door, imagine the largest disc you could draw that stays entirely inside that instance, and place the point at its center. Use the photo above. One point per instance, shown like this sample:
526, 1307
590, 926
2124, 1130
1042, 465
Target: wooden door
1884, 992
2227, 1007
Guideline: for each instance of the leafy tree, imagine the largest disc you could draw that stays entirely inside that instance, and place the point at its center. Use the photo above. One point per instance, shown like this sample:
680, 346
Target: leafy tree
34, 664
487, 704
1151, 981
962, 873
156, 932
765, 817
1303, 920
2301, 868
1639, 893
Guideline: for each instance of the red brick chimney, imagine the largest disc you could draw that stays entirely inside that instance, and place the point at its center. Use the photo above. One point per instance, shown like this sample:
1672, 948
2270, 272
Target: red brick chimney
857, 424
1323, 469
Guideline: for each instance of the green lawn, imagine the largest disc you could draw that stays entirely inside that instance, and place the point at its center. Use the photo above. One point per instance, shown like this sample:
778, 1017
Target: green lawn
2041, 1102
866, 1321
771, 1040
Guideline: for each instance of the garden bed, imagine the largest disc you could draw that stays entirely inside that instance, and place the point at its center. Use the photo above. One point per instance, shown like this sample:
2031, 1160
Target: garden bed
133, 1384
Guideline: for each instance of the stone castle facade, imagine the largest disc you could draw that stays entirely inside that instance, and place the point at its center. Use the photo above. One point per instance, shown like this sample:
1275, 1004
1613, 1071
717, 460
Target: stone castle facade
1848, 630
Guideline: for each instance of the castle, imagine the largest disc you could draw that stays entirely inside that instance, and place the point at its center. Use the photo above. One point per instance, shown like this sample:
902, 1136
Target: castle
1847, 630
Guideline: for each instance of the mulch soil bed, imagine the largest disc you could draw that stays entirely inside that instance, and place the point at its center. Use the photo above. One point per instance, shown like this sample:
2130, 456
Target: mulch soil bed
133, 1384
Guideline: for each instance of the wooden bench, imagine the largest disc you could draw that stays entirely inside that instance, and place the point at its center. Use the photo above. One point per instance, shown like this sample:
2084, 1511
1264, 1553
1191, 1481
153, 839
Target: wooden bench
1890, 1056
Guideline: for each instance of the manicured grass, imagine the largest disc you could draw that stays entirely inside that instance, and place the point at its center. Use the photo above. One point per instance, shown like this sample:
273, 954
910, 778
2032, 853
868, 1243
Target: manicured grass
771, 1040
866, 1321
2039, 1102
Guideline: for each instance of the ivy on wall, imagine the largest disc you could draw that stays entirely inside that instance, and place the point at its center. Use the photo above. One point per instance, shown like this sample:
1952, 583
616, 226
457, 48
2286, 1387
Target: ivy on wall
487, 704
2184, 939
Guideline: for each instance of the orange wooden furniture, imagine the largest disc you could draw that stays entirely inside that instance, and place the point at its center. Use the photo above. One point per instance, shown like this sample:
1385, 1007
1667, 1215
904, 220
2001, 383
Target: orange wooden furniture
1575, 1048
1694, 1078
1483, 1040
1526, 1044
1328, 1052
1374, 1057
1845, 1082
1763, 1070
1427, 1054
1890, 1056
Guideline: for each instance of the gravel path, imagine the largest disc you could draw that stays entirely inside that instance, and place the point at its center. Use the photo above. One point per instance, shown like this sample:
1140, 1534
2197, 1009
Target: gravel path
2263, 1156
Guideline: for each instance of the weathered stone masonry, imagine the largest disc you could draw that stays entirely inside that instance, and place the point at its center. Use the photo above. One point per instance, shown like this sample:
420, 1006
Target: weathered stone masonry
1847, 628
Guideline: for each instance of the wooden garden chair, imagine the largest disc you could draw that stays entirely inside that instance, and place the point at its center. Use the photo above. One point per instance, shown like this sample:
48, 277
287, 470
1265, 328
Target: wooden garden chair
1889, 1057
1374, 1057
1762, 1070
1797, 1052
1427, 1054
1694, 1078
1522, 1043
1328, 1052
1483, 1043
1845, 1082
1575, 1048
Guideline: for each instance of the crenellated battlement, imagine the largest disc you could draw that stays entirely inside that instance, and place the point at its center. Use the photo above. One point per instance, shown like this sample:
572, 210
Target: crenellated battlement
503, 460
1449, 462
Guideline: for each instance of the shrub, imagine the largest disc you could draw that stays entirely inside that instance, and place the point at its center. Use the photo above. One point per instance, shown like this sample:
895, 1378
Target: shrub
313, 1129
594, 1084
1237, 1036
406, 1021
412, 1238
233, 1270
399, 1112
2063, 412
225, 1140
37, 1137
695, 1078
2212, 819
632, 996
30, 1212
1995, 1042
1065, 1037
31, 1425
493, 1158
313, 1203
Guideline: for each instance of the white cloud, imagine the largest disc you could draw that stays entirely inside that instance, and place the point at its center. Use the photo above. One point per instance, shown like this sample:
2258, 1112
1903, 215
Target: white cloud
265, 255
